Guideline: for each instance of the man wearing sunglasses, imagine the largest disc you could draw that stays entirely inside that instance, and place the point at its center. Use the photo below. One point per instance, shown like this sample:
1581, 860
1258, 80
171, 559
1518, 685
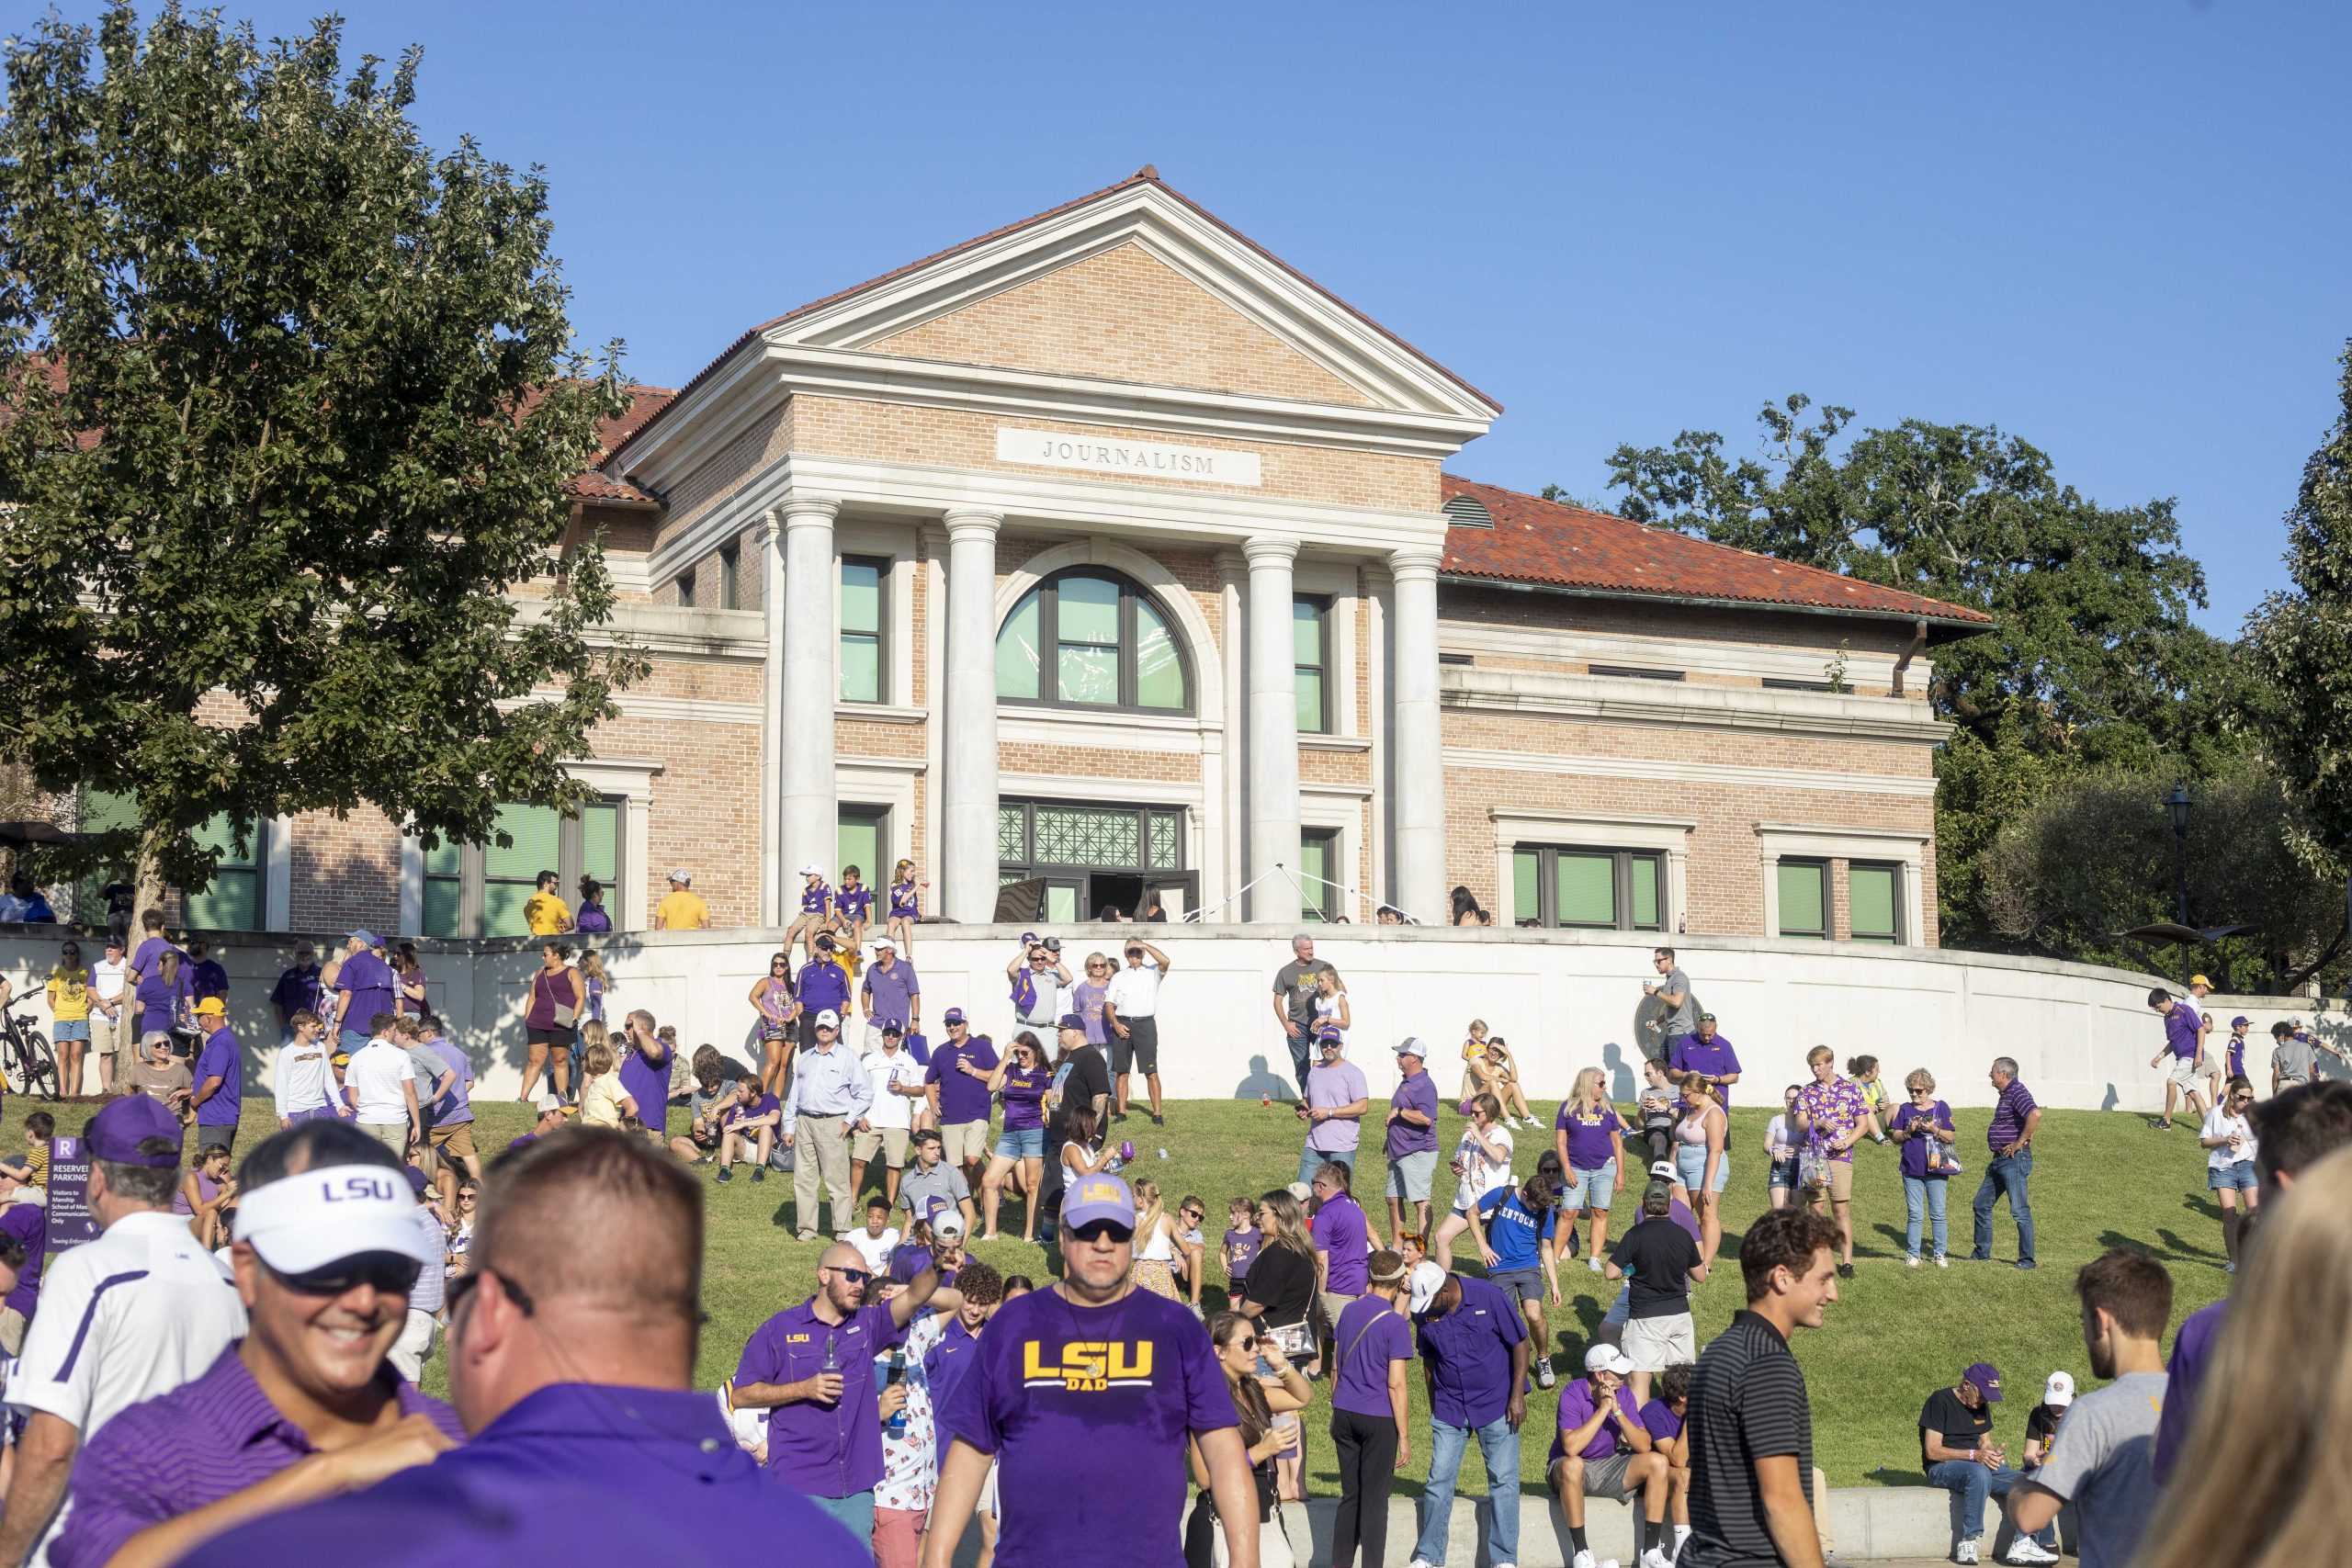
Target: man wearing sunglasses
1088, 1395
328, 1250
811, 1368
572, 1367
134, 1313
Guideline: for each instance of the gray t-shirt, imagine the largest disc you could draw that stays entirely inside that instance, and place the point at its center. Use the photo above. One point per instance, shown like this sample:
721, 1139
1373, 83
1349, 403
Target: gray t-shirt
1685, 1018
1295, 982
2100, 1463
919, 1186
2292, 1059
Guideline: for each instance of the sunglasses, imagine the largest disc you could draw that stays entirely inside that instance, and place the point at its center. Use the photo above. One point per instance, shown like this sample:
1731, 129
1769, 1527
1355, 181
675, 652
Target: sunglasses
466, 1284
1097, 1230
465, 1197
390, 1275
1248, 1342
855, 1276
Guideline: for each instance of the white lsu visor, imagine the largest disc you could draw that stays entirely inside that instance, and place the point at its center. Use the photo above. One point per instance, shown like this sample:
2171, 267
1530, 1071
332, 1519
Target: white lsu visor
301, 1223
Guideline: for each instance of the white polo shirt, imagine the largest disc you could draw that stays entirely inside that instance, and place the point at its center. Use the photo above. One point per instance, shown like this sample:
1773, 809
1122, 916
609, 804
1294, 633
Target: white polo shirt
374, 1075
1135, 992
883, 1070
127, 1317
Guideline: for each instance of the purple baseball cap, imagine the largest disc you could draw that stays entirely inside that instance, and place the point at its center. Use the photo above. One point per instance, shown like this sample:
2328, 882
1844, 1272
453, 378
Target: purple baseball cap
2239, 1019
952, 1015
1072, 1021
115, 1132
1099, 1197
1986, 1380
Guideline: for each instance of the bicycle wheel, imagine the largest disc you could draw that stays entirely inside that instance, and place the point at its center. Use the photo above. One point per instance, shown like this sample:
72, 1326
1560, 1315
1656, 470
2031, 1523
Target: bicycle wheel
40, 1068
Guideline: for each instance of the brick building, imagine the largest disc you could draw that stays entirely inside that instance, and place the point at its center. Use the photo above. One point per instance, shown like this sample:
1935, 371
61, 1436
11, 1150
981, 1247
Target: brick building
1107, 551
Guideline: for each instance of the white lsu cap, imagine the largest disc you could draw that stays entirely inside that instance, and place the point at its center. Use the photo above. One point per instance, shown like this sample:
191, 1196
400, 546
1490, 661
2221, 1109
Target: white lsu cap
1428, 1280
300, 1224
2059, 1391
812, 869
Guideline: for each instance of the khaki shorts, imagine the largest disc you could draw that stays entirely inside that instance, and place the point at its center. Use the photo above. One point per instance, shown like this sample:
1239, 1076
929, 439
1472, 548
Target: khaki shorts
892, 1141
1837, 1177
1655, 1344
455, 1142
966, 1142
2184, 1072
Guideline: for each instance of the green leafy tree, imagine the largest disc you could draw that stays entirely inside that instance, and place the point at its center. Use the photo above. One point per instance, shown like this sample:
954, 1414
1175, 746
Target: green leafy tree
291, 409
2301, 641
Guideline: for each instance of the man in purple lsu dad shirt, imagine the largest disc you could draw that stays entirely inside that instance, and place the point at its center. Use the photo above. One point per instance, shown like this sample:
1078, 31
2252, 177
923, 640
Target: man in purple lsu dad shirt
1085, 1395
305, 1407
628, 1470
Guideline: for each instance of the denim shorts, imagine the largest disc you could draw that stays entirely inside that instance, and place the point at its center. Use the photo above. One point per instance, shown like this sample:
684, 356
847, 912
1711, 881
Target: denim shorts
1691, 1162
1021, 1143
69, 1028
2238, 1177
1590, 1189
1783, 1175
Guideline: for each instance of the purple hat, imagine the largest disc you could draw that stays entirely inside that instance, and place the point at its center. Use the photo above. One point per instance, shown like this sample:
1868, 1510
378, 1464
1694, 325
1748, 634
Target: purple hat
952, 1015
1099, 1197
1986, 1380
116, 1131
2239, 1019
1072, 1021
415, 1179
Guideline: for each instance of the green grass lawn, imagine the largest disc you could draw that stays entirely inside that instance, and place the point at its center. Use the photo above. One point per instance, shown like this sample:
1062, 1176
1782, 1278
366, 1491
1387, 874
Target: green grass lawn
2102, 1179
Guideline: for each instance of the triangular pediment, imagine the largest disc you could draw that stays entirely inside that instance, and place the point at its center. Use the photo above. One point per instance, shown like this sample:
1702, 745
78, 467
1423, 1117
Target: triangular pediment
1137, 285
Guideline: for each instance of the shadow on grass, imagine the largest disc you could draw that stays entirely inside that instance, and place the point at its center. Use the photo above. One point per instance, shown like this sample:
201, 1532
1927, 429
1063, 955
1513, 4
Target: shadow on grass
2168, 1247
2203, 1206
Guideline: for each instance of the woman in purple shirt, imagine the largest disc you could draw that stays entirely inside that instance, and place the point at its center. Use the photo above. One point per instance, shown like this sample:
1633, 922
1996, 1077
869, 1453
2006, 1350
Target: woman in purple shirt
1923, 1126
1019, 1082
772, 997
552, 1020
1590, 1139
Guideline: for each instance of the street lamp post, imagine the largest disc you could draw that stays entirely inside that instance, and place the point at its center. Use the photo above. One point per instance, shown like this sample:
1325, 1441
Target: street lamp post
2177, 802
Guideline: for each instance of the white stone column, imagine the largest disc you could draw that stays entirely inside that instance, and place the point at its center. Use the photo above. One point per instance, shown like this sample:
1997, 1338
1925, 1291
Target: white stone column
967, 867
1419, 749
1273, 733
811, 809
770, 535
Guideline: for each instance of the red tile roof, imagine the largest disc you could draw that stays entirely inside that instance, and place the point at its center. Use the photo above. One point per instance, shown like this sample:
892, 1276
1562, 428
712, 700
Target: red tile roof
1147, 174
1555, 544
644, 402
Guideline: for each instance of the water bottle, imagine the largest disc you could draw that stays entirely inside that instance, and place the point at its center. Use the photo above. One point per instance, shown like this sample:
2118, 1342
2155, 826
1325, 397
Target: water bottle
897, 1425
833, 1362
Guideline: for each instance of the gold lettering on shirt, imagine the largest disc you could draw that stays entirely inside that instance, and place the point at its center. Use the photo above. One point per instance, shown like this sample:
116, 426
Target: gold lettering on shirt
1087, 1366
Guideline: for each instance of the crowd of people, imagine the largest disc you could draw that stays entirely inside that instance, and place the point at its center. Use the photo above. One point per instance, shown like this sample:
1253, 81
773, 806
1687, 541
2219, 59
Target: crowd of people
1153, 1391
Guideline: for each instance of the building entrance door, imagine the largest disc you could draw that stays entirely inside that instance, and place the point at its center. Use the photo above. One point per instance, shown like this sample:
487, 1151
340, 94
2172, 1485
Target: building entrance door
1085, 856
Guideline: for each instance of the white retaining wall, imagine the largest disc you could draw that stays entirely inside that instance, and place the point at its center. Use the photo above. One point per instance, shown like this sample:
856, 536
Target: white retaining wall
2082, 1035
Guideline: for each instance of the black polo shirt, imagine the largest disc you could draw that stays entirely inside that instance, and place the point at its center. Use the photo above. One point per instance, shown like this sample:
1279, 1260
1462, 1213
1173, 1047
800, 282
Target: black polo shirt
1747, 1403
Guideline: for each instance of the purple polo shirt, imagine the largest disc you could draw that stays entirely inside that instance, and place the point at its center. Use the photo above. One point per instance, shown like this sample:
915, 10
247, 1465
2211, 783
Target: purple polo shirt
1716, 1058
948, 1360
188, 1448
209, 978
962, 1098
648, 1083
222, 1059
2181, 1025
1587, 1131
2192, 1352
28, 1222
149, 954
891, 993
1327, 1088
458, 1104
1576, 1405
832, 1450
2009, 1112
369, 982
1339, 1230
1661, 1422
1468, 1351
296, 989
1370, 1335
538, 1483
1416, 1093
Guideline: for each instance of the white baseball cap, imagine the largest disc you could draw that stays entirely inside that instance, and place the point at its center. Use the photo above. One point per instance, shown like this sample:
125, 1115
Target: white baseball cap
829, 1019
1665, 1170
548, 1101
2059, 1390
1428, 1280
300, 1224
948, 1223
682, 876
1411, 1046
812, 869
1608, 1359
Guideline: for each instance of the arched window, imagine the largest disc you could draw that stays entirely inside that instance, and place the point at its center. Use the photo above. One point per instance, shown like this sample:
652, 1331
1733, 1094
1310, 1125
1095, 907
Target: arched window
1091, 638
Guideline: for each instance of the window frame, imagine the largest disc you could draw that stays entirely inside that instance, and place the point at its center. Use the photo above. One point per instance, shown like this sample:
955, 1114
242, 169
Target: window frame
1820, 865
731, 565
881, 566
1046, 592
83, 888
686, 589
1893, 937
1318, 903
1547, 886
1321, 604
571, 861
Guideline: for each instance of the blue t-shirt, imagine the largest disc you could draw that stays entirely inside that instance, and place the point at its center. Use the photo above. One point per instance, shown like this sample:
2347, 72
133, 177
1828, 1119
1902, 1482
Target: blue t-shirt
1516, 1234
220, 1058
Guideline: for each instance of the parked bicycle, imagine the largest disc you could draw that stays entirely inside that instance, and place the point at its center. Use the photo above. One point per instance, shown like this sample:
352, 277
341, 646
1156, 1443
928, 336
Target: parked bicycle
27, 1063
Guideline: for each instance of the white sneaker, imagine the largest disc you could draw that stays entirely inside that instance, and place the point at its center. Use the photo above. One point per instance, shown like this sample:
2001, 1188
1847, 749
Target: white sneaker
1965, 1553
2028, 1553
1912, 1261
1583, 1559
1593, 1264
1654, 1557
1941, 1261
1420, 1563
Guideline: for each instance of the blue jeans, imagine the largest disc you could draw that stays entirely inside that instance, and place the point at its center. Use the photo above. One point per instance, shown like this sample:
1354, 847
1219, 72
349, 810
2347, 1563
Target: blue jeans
1924, 1193
2007, 1174
1969, 1483
1499, 1445
857, 1513
1312, 1160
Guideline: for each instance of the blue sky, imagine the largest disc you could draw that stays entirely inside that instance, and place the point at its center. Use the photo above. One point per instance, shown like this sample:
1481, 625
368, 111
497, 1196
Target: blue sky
2121, 230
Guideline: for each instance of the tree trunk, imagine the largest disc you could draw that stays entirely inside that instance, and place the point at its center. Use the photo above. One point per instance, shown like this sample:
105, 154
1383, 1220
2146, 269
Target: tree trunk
147, 881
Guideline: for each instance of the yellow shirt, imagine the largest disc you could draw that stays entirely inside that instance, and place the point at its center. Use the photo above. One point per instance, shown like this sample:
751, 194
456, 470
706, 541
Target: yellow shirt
545, 913
600, 1100
849, 964
69, 994
1473, 1050
681, 909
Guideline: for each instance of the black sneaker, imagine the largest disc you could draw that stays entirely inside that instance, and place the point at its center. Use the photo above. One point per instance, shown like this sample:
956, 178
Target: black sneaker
1157, 1120
726, 1174
759, 1173
2027, 1263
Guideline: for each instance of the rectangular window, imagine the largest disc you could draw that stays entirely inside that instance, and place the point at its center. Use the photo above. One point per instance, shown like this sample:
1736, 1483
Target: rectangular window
481, 889
863, 580
861, 839
1318, 859
1591, 888
1632, 672
686, 589
1087, 662
1310, 635
233, 902
510, 872
731, 587
1456, 658
445, 890
1804, 898
1870, 904
1781, 684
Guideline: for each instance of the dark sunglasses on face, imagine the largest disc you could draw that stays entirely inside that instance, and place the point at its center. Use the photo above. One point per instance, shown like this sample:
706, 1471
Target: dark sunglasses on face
1247, 1342
389, 1273
855, 1276
1097, 1230
464, 1285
